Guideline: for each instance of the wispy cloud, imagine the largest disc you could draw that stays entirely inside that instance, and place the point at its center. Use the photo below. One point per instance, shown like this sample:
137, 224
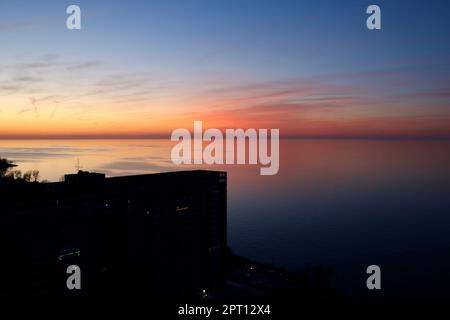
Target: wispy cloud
15, 27
84, 65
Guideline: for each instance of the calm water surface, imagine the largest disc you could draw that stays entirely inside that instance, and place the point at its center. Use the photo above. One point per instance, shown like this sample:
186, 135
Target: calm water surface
342, 204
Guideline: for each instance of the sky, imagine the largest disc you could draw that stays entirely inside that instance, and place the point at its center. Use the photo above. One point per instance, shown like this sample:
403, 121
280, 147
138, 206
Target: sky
146, 68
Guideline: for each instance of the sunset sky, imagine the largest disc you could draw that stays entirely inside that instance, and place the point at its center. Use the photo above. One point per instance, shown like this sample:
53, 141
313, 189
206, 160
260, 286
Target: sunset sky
145, 68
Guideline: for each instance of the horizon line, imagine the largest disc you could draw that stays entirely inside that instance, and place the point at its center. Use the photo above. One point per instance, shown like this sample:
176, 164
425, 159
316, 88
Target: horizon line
167, 137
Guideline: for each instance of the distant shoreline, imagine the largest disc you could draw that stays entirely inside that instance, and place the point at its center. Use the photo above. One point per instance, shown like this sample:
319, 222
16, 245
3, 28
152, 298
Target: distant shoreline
5, 164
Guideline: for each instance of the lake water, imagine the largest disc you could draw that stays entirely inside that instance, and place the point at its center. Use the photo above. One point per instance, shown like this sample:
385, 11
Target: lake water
342, 204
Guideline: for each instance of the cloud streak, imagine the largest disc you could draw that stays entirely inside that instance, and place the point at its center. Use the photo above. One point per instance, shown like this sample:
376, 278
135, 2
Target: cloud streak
15, 27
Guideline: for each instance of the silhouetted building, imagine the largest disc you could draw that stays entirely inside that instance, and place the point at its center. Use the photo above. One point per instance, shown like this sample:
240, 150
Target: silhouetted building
157, 236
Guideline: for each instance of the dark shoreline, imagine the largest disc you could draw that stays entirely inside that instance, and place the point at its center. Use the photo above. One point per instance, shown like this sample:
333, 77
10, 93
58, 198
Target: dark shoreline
5, 164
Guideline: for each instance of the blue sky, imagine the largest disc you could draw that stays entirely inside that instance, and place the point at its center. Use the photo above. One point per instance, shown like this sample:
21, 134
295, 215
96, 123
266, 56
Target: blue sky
195, 44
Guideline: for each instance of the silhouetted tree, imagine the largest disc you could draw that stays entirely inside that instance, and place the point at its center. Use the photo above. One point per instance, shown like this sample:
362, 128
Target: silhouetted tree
15, 174
35, 174
5, 165
27, 176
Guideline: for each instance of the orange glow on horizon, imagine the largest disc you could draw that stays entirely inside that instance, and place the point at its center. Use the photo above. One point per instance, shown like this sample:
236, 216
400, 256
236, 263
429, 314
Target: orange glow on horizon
87, 117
